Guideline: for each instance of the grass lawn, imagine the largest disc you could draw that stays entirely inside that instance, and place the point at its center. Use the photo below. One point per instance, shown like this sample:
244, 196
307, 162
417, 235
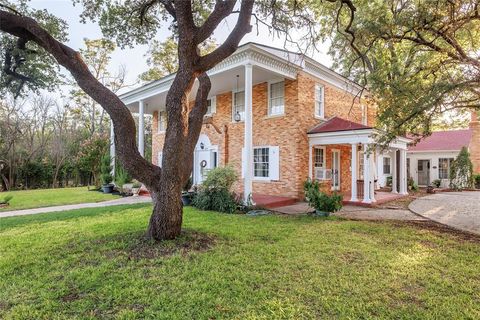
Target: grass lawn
94, 263
27, 199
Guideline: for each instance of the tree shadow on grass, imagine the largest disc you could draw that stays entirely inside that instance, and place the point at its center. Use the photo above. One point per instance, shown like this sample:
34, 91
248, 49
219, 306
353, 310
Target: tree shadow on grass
134, 246
19, 221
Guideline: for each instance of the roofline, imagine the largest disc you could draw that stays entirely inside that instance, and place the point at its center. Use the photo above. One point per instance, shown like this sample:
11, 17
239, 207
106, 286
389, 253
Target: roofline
258, 47
432, 151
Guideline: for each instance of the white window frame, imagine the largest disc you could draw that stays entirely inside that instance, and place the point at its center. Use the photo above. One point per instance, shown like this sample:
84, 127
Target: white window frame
322, 101
389, 165
364, 114
324, 150
268, 163
270, 83
233, 105
360, 163
213, 106
159, 121
449, 164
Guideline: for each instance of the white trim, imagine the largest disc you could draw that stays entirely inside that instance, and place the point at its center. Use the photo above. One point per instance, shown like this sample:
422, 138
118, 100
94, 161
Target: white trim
260, 56
432, 151
322, 88
233, 105
338, 188
159, 121
269, 98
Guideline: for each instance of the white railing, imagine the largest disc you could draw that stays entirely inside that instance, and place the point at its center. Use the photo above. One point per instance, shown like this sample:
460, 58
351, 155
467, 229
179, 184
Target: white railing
323, 174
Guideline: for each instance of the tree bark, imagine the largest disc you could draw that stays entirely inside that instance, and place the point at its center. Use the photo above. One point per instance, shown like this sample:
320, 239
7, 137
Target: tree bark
184, 125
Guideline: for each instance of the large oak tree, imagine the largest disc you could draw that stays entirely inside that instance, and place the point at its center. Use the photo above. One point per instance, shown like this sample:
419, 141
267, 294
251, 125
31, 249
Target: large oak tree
134, 22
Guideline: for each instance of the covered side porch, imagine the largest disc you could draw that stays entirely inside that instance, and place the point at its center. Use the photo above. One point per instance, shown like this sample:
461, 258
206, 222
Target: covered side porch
343, 158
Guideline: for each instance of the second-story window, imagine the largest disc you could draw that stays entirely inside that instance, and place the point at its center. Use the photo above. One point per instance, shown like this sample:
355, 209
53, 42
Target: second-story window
277, 98
239, 104
162, 121
364, 115
319, 101
211, 106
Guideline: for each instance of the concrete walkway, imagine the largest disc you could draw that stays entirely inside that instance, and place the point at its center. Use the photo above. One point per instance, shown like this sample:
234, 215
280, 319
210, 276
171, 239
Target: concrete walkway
355, 212
460, 210
116, 202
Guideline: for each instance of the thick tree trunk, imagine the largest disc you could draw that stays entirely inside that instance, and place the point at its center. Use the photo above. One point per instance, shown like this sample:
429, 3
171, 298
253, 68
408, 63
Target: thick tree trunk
166, 218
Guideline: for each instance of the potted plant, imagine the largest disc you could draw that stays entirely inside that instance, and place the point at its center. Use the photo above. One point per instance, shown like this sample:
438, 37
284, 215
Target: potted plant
136, 188
187, 195
106, 175
436, 183
323, 203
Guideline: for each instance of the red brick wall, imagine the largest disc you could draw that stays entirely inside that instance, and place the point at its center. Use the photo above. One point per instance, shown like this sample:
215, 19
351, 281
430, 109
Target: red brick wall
474, 147
289, 132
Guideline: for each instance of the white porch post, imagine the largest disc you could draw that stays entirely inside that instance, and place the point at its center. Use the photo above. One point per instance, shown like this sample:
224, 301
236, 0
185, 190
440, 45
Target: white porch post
354, 172
403, 172
372, 177
393, 158
366, 174
310, 161
112, 147
248, 143
141, 128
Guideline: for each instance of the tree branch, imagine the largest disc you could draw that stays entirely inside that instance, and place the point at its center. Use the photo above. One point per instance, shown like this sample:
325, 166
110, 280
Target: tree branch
28, 29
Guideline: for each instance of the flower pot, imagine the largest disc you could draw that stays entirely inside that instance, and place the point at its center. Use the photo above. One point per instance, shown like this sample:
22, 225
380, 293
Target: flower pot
319, 213
107, 188
186, 199
135, 191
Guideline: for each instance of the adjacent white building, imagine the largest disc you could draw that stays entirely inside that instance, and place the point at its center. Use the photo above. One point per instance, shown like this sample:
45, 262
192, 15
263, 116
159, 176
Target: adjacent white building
430, 159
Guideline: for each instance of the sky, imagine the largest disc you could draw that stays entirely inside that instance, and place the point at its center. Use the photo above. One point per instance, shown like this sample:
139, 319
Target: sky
133, 59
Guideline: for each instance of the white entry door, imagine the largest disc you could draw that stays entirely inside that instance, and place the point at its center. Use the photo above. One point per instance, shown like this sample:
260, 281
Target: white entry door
203, 163
335, 169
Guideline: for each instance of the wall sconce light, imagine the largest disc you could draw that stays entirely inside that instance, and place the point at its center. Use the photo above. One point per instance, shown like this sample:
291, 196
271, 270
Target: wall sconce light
237, 117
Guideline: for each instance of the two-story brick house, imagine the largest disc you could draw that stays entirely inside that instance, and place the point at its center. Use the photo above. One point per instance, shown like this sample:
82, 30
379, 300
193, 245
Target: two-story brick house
278, 118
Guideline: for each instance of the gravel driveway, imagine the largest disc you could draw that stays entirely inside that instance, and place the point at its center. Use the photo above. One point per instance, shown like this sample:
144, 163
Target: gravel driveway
459, 210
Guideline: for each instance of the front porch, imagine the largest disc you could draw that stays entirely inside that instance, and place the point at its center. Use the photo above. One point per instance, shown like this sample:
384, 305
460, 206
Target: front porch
343, 157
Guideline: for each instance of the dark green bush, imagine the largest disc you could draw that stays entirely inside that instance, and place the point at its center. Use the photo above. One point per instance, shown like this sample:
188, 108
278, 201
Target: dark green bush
320, 200
215, 199
215, 192
436, 183
461, 171
106, 169
476, 179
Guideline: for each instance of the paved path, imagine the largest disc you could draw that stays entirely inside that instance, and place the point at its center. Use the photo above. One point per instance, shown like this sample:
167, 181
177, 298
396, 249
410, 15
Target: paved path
116, 202
459, 210
356, 212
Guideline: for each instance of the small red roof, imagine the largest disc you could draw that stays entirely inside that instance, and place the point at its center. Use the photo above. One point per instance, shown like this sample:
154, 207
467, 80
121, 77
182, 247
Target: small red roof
337, 124
443, 140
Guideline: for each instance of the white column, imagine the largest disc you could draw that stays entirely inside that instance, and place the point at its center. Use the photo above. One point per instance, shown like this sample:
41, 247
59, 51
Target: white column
310, 161
372, 177
141, 128
393, 159
403, 172
366, 174
248, 143
354, 172
112, 147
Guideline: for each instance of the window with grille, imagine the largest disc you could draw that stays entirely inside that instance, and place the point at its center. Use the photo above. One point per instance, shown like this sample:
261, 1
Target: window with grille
360, 165
319, 158
209, 106
277, 98
261, 162
386, 165
239, 104
444, 165
162, 121
319, 101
